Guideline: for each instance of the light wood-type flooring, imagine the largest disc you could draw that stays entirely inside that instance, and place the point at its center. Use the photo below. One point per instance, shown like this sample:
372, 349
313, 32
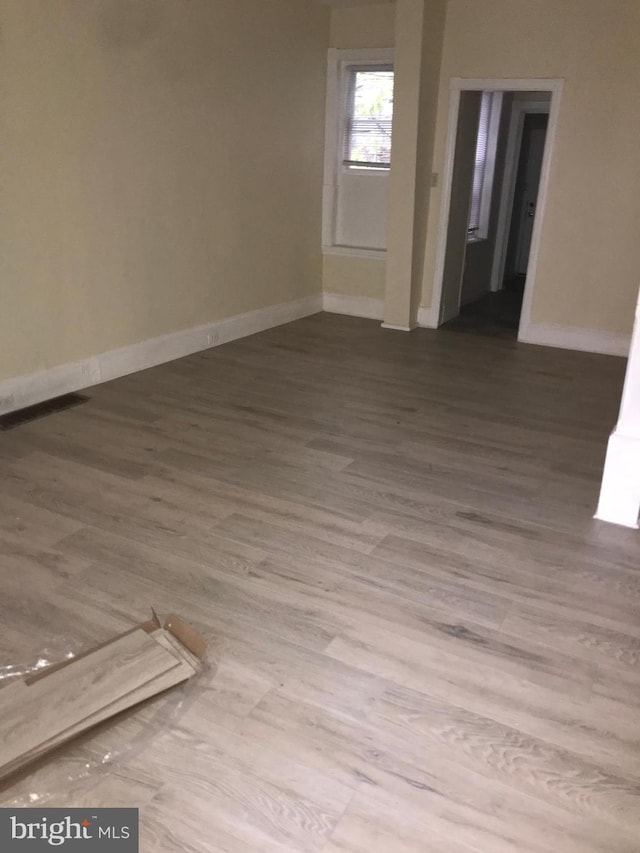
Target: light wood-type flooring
420, 641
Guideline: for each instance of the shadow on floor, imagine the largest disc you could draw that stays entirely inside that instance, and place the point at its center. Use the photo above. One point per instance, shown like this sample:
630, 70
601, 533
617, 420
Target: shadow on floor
494, 314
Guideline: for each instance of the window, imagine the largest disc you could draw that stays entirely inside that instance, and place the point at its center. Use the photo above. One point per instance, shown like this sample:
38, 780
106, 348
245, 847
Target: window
483, 173
369, 118
359, 121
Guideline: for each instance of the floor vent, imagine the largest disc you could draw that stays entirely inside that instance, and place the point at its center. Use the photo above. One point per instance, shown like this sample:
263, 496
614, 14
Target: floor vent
40, 410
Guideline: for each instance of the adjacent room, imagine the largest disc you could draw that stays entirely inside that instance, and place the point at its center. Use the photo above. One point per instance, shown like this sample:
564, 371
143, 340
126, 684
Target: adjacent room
320, 426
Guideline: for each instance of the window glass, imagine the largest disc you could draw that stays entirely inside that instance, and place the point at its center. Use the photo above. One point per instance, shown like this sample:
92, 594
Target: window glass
369, 119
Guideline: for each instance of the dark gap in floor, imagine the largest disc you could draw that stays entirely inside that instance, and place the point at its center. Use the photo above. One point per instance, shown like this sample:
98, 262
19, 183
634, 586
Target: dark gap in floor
40, 410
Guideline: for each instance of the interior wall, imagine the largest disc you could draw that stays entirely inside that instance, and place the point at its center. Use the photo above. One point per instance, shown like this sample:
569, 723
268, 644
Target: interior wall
161, 168
358, 27
589, 253
353, 276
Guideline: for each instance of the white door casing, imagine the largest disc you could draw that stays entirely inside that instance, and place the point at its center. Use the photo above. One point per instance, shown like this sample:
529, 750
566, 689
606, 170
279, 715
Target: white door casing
458, 85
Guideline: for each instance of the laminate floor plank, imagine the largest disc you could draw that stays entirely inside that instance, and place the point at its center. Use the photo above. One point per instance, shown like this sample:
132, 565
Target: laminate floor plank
602, 727
259, 472
456, 802
548, 549
315, 521
419, 639
28, 565
37, 525
117, 790
364, 829
286, 807
557, 590
208, 595
586, 641
64, 483
380, 593
532, 765
480, 583
59, 446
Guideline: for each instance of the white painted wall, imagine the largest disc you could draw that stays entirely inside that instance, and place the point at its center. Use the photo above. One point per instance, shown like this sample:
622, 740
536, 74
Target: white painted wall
362, 202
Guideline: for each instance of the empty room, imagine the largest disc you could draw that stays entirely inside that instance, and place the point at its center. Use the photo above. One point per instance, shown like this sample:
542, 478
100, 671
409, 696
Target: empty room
320, 426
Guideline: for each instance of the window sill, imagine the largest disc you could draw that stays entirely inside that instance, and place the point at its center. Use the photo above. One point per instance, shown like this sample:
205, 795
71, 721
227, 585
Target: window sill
356, 252
367, 171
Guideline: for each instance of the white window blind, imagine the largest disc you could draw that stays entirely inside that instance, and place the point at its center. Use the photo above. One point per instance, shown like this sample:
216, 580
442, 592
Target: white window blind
485, 164
480, 164
369, 118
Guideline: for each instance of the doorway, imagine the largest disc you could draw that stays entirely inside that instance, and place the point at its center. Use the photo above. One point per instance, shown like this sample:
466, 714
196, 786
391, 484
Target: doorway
491, 219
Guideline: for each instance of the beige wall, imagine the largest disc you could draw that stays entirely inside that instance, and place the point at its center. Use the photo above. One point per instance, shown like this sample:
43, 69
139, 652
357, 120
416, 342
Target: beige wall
589, 261
363, 26
161, 167
354, 276
354, 28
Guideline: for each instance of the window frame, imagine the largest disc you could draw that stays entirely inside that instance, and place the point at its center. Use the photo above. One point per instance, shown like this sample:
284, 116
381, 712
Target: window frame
348, 72
335, 113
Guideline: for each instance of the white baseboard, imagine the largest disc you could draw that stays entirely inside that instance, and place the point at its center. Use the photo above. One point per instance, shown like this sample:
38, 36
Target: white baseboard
34, 388
354, 306
572, 337
373, 309
427, 317
352, 252
544, 334
399, 328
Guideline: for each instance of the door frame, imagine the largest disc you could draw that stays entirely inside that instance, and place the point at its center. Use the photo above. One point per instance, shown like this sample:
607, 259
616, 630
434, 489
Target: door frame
519, 111
502, 84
